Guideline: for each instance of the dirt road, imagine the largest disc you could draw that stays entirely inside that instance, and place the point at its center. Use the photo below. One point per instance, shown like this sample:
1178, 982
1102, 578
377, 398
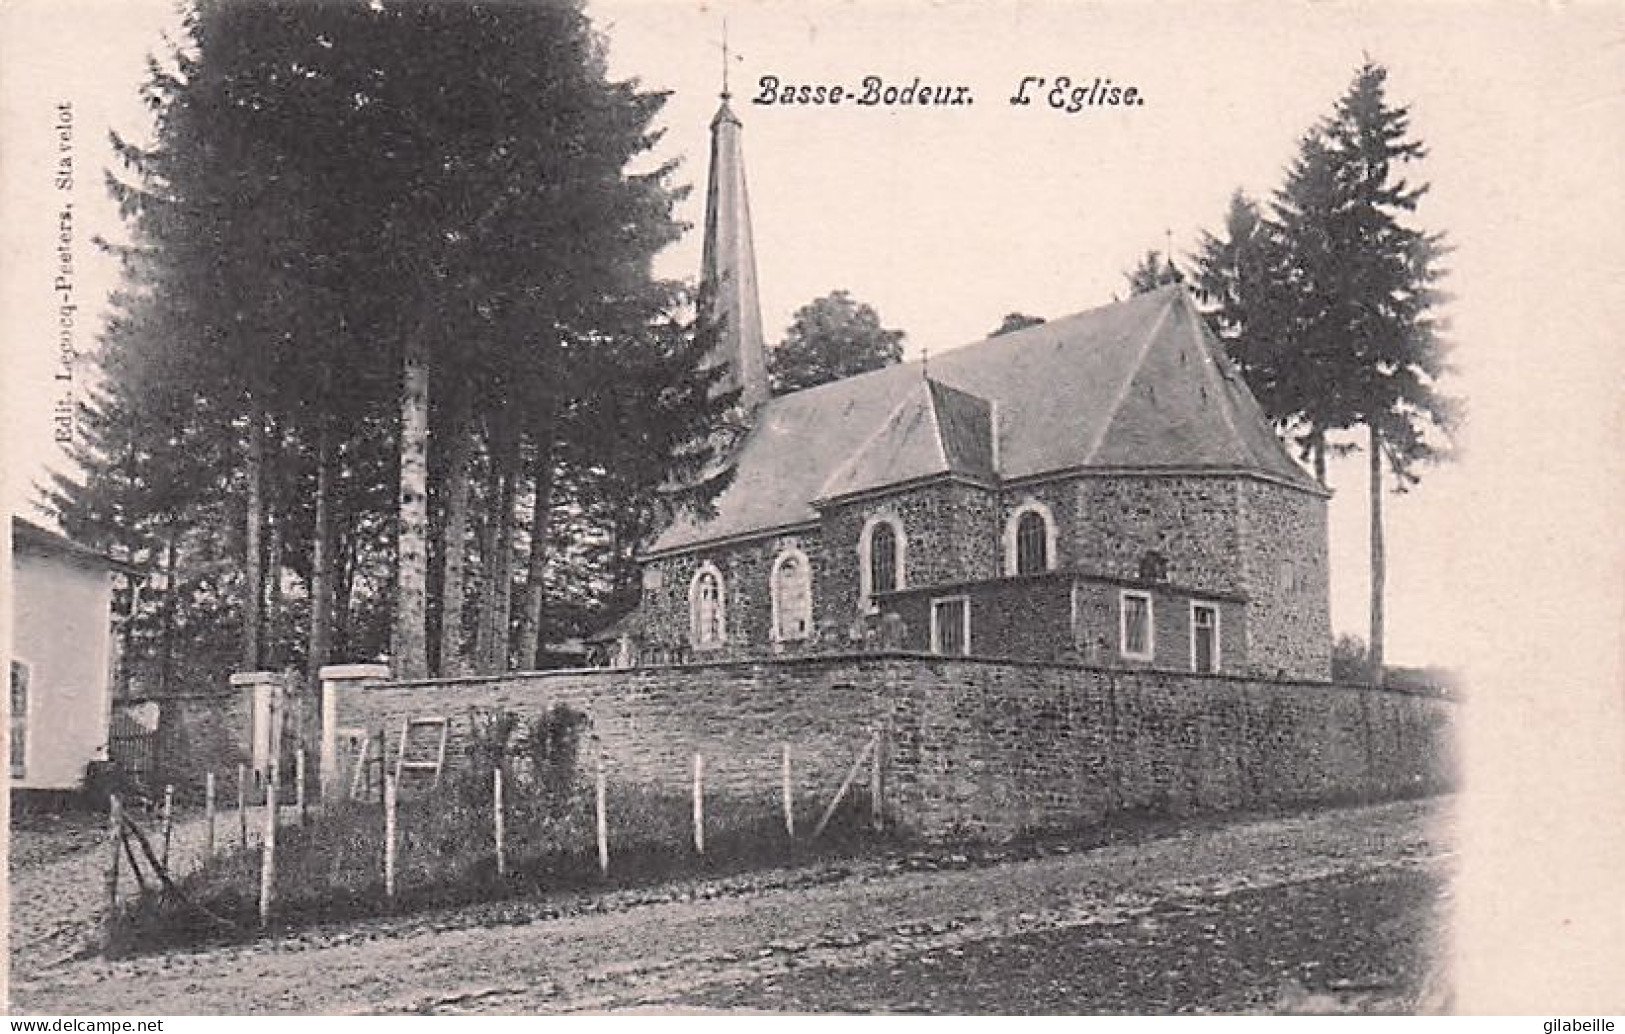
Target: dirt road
1333, 910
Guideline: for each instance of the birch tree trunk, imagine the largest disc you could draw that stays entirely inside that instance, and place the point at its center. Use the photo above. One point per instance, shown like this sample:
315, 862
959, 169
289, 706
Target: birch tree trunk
454, 547
1379, 560
497, 600
166, 655
409, 645
319, 645
254, 523
271, 650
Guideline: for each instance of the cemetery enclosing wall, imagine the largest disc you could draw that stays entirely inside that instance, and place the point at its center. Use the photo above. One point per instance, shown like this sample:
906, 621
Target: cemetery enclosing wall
984, 748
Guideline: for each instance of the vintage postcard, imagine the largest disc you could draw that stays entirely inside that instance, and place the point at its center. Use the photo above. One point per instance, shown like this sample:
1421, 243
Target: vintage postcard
623, 506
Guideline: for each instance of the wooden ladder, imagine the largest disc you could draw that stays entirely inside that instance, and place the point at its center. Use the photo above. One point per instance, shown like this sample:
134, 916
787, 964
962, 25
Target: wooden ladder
426, 754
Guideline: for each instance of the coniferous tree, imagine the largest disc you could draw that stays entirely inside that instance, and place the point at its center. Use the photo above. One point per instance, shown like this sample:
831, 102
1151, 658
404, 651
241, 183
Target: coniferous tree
357, 220
1327, 304
1390, 275
1153, 271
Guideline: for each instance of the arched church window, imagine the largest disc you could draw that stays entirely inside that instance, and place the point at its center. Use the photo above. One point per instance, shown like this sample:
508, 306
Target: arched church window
1032, 554
792, 596
707, 608
881, 558
1029, 540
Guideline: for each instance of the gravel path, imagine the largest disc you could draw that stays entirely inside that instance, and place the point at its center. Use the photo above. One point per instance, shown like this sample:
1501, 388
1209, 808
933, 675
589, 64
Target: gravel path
731, 947
57, 900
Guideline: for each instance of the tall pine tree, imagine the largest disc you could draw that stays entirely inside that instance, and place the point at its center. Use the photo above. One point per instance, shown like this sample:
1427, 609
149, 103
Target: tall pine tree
1327, 304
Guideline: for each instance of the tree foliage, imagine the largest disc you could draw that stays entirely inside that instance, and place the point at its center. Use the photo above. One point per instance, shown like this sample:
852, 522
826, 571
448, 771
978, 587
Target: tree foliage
336, 188
1153, 271
1327, 303
1014, 321
831, 338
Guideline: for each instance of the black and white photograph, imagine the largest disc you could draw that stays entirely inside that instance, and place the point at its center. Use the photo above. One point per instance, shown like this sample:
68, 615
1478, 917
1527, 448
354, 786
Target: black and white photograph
790, 507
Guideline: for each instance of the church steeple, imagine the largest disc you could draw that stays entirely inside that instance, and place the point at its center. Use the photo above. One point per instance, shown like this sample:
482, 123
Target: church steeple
729, 263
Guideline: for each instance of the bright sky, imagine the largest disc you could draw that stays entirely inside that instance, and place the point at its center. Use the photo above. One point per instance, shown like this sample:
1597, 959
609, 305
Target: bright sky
945, 219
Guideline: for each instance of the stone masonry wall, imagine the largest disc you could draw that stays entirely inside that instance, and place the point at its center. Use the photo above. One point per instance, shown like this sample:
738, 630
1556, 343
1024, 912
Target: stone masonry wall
979, 747
1194, 522
746, 568
992, 749
1284, 567
651, 721
197, 733
952, 534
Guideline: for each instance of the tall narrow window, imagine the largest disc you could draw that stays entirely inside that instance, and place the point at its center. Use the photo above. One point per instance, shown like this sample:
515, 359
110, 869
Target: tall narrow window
1204, 638
791, 594
950, 626
19, 719
882, 559
707, 609
1029, 539
1032, 547
1137, 641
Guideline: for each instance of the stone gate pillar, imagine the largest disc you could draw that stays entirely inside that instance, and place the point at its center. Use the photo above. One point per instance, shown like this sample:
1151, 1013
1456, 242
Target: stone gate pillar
263, 705
339, 683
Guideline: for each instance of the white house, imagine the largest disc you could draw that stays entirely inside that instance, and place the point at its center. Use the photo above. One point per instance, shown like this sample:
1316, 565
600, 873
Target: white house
61, 658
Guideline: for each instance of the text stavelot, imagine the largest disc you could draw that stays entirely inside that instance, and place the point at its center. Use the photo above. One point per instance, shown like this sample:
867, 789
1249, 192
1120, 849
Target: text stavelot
62, 282
872, 91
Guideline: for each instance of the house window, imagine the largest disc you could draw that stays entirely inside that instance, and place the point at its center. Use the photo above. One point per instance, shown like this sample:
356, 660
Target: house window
1029, 540
881, 559
1137, 634
19, 719
1204, 638
791, 592
707, 609
950, 626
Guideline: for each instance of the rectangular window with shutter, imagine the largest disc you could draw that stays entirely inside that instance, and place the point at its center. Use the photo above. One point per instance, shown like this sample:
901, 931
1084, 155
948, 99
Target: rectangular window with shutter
950, 626
19, 719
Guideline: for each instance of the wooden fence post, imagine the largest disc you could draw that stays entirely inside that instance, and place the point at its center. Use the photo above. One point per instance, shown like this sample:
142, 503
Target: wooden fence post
242, 803
699, 803
115, 826
787, 788
299, 782
208, 811
389, 835
268, 851
602, 817
169, 820
496, 803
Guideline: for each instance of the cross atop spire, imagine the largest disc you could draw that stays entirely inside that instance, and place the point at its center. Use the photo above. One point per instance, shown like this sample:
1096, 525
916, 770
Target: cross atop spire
725, 93
728, 265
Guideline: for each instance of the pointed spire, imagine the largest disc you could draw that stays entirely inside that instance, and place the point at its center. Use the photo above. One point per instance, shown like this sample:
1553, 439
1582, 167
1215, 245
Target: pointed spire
729, 263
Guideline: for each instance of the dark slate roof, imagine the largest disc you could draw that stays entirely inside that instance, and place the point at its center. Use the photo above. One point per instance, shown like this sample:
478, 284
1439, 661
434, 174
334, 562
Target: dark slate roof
28, 537
965, 425
934, 430
1138, 385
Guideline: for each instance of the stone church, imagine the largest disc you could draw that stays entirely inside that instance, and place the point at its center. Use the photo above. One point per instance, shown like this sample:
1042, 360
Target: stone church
1100, 489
